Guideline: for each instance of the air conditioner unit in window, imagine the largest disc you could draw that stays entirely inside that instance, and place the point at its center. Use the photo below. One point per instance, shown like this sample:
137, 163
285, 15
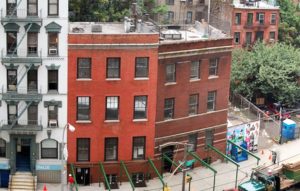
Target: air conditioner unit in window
52, 123
52, 51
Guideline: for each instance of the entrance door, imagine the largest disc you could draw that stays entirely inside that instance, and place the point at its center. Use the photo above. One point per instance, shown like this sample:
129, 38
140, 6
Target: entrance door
83, 176
32, 80
23, 154
169, 152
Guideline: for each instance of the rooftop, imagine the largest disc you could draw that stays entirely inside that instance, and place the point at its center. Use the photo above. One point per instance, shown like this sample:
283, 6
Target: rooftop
254, 4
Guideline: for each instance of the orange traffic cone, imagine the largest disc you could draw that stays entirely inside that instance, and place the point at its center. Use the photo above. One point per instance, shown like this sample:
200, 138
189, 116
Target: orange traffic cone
45, 188
270, 156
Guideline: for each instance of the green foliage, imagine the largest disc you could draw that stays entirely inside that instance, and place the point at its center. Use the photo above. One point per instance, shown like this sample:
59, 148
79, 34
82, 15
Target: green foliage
268, 70
289, 27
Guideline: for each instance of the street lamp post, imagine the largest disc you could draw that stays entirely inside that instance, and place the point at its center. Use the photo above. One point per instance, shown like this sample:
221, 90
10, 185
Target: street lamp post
72, 129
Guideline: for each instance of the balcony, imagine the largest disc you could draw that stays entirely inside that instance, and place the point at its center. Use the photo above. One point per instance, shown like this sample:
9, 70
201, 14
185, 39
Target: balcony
20, 94
256, 26
25, 56
21, 15
22, 126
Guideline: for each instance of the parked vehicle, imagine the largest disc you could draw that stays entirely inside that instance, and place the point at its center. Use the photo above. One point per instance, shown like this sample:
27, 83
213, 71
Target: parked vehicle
272, 107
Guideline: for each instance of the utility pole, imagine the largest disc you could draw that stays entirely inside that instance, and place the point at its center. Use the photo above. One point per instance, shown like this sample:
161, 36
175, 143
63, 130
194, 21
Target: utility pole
184, 166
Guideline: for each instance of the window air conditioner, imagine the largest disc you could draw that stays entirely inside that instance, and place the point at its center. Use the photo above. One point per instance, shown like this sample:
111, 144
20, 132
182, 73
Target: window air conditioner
52, 51
53, 123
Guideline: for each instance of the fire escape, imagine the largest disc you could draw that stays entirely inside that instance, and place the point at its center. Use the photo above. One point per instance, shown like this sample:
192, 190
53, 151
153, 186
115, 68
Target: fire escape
18, 64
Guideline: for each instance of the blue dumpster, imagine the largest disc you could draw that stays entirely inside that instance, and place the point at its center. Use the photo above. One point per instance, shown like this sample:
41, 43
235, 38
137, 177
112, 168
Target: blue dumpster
288, 129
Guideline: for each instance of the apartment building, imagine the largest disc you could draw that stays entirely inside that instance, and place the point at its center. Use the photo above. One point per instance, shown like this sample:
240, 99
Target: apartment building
33, 87
112, 99
249, 20
183, 11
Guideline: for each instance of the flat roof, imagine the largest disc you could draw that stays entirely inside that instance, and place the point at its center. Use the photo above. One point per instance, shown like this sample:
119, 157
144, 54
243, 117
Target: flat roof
256, 5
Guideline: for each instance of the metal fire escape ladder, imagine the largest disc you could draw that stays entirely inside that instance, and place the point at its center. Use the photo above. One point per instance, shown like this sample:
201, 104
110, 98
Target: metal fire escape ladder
20, 114
22, 38
28, 67
15, 9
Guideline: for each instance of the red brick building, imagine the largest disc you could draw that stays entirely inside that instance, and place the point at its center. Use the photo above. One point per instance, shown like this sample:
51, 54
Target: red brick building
131, 92
112, 97
249, 21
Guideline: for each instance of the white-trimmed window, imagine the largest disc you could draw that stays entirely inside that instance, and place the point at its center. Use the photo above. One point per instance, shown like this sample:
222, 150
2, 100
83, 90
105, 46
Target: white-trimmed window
171, 73
211, 101
53, 7
111, 149
112, 108
193, 104
213, 66
84, 68
138, 147
83, 108
141, 67
49, 149
140, 107
195, 70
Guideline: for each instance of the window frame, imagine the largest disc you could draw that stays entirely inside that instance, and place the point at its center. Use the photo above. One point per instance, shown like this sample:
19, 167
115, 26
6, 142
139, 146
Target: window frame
195, 71
247, 34
52, 81
189, 17
193, 139
170, 16
9, 9
31, 45
136, 73
208, 139
237, 37
171, 108
9, 48
210, 100
2, 149
195, 105
144, 148
114, 144
272, 32
36, 8
213, 66
145, 109
260, 17
170, 2
108, 68
249, 19
238, 17
170, 77
57, 8
88, 149
85, 108
53, 45
107, 118
87, 74
273, 19
47, 149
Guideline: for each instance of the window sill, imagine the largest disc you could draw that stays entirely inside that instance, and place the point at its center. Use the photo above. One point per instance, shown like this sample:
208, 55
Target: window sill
140, 120
53, 55
111, 121
141, 78
170, 119
53, 92
113, 79
83, 121
84, 79
213, 77
53, 16
195, 80
170, 83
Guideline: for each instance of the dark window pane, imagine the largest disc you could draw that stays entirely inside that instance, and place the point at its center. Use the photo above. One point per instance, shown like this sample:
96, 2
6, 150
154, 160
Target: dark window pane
211, 101
169, 108
11, 42
213, 67
49, 149
83, 149
113, 68
84, 68
2, 148
141, 67
193, 104
170, 72
111, 149
53, 80
112, 108
140, 107
195, 70
138, 148
83, 108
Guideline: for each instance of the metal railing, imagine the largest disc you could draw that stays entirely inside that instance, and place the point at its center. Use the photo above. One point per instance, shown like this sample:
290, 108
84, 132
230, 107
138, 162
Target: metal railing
21, 14
29, 52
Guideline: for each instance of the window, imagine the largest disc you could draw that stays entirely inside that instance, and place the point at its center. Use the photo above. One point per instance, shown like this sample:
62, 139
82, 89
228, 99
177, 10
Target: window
138, 145
138, 178
169, 108
11, 42
260, 17
193, 140
170, 16
141, 67
248, 38
273, 19
112, 108
272, 35
52, 43
213, 66
2, 148
83, 149
53, 7
32, 7
259, 35
32, 80
250, 19
140, 107
84, 68
189, 16
12, 113
193, 104
111, 149
83, 108
211, 101
32, 43
236, 38
49, 149
195, 70
238, 18
11, 7
52, 80
52, 115
209, 137
12, 80
113, 68
170, 2
170, 73
32, 114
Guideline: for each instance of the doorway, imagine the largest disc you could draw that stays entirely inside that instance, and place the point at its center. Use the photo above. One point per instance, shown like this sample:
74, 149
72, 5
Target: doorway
23, 154
83, 176
169, 152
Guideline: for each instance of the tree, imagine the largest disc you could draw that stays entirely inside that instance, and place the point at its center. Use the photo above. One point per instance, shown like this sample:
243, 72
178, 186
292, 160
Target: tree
289, 26
271, 70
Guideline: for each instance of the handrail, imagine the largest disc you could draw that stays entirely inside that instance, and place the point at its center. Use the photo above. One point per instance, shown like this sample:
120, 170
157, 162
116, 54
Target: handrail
229, 159
73, 174
193, 154
156, 171
250, 153
127, 174
170, 160
104, 175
